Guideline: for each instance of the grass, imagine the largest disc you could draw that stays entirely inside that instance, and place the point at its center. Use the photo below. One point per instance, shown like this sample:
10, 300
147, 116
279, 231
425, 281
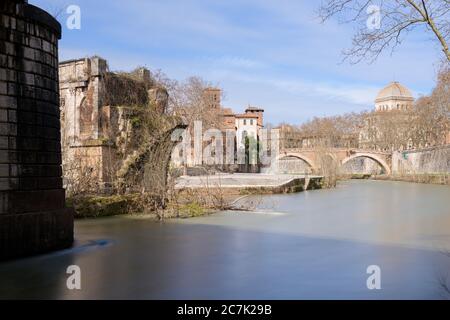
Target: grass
101, 206
107, 206
190, 210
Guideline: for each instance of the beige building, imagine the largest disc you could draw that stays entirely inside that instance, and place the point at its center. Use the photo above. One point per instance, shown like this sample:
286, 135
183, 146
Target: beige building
241, 125
247, 126
394, 96
383, 130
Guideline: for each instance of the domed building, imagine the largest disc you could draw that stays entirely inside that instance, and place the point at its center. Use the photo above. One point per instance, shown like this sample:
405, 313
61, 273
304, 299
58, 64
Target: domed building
394, 96
385, 129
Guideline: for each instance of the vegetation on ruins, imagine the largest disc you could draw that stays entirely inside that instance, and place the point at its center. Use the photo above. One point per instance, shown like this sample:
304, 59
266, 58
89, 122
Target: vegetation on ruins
138, 134
125, 90
140, 146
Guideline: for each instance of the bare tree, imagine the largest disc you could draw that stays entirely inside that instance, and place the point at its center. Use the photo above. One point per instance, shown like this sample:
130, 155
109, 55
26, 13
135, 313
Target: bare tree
396, 19
189, 102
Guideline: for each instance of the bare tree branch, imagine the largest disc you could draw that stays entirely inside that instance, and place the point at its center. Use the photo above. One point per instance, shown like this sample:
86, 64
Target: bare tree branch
397, 19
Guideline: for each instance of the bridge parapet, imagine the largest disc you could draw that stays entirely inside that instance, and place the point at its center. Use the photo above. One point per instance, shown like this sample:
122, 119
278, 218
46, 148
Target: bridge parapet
341, 155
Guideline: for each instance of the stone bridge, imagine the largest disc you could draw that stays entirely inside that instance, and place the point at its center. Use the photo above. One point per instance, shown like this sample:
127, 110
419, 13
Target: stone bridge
341, 156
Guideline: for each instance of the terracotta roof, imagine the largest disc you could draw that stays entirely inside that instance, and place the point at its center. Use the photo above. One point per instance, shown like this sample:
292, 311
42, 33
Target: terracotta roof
254, 109
212, 89
246, 115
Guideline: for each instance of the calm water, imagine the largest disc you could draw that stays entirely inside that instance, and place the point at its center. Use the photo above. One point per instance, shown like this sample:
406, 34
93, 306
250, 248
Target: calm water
311, 245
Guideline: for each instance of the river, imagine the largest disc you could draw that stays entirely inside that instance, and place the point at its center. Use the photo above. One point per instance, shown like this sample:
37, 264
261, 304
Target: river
311, 245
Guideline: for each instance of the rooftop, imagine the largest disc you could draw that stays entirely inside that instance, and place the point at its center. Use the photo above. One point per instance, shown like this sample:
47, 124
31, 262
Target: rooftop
247, 116
254, 109
394, 90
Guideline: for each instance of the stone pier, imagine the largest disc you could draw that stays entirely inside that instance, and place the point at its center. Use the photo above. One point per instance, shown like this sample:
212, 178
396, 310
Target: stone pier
33, 216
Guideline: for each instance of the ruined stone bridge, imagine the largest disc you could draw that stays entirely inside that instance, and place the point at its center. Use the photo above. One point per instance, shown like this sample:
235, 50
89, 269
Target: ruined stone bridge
315, 158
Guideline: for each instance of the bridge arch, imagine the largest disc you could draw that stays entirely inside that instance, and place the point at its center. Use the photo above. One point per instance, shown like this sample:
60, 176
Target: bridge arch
375, 158
307, 160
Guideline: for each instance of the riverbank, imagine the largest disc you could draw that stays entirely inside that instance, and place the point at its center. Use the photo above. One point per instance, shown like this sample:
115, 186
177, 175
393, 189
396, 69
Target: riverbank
251, 183
437, 179
196, 196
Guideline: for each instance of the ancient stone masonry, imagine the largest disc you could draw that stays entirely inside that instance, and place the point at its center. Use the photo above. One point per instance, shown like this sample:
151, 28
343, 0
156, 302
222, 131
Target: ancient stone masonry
84, 148
33, 217
98, 109
435, 160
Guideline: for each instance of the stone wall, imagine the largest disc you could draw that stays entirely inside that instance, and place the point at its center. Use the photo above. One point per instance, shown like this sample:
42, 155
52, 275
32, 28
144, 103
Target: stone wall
427, 161
361, 166
33, 217
293, 166
83, 143
96, 113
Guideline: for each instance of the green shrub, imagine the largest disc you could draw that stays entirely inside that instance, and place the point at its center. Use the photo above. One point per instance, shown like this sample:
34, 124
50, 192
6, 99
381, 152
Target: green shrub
192, 209
101, 206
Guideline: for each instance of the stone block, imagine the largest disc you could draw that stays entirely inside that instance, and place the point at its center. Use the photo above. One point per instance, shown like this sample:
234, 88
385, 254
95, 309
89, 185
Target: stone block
8, 102
4, 21
4, 143
35, 232
3, 115
4, 88
35, 43
12, 116
4, 171
3, 59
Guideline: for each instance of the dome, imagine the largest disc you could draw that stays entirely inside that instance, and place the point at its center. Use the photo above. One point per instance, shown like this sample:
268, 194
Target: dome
395, 91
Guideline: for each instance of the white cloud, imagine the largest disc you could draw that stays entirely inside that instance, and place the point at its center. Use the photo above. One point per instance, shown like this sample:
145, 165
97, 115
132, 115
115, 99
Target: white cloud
235, 62
270, 52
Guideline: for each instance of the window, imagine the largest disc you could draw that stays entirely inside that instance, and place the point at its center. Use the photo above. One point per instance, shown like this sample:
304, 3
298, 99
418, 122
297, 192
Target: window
245, 122
251, 122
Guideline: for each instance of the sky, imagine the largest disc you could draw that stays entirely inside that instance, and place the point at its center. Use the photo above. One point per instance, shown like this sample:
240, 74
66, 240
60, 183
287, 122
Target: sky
272, 54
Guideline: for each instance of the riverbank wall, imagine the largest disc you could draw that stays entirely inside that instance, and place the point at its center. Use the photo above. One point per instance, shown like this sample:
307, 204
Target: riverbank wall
425, 178
251, 183
430, 161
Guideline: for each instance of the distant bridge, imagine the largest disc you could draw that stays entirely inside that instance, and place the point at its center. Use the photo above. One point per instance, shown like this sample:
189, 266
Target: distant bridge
314, 158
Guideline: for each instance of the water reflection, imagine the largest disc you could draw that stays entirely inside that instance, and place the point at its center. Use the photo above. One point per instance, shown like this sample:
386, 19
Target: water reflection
303, 246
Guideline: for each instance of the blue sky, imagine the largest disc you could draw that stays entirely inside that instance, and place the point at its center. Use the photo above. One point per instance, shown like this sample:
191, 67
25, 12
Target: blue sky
274, 54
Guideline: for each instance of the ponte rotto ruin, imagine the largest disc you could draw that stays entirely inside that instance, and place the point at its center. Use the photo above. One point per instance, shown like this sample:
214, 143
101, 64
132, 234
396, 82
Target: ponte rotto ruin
33, 216
100, 111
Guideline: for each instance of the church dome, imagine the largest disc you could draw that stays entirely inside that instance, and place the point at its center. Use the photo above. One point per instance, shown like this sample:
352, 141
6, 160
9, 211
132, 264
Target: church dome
394, 91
